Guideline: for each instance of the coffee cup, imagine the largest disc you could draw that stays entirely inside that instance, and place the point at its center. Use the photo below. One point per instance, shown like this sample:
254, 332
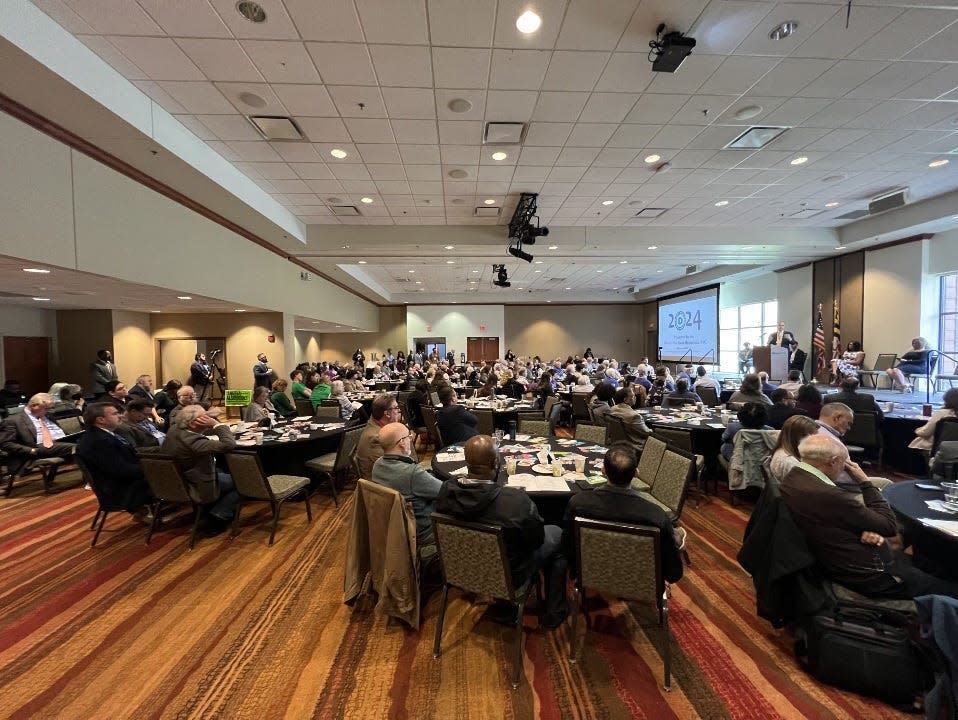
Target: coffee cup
258, 438
511, 465
579, 463
556, 468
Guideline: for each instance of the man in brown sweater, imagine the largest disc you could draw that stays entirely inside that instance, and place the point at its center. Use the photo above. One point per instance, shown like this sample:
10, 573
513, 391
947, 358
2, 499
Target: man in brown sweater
847, 536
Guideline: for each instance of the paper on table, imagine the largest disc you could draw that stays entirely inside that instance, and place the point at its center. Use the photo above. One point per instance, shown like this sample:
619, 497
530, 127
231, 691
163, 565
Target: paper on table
717, 426
521, 438
535, 483
451, 456
303, 418
947, 526
461, 471
940, 506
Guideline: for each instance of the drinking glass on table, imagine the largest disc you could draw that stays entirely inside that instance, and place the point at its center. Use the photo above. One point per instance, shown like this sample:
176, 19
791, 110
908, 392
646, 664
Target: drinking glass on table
510, 465
579, 463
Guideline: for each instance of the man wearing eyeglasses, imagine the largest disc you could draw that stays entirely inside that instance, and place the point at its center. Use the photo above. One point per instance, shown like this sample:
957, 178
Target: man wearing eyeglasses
384, 410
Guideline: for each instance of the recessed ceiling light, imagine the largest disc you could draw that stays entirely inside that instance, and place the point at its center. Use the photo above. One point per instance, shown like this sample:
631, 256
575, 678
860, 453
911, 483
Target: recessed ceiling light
553, 247
538, 262
42, 299
747, 247
345, 247
798, 161
548, 301
938, 163
473, 281
608, 202
239, 310
841, 247
490, 201
653, 158
518, 288
251, 11
252, 99
538, 271
412, 271
653, 247
36, 270
831, 204
615, 288
658, 271
568, 288
598, 271
528, 22
450, 262
459, 105
786, 29
721, 203
315, 322
450, 247
453, 302
338, 154
475, 271
499, 155
748, 112
623, 262
362, 262
419, 282
366, 200
458, 174
184, 297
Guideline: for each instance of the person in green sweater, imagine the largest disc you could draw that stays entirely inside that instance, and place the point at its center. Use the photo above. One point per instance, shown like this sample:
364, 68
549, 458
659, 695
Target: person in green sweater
280, 399
300, 391
320, 392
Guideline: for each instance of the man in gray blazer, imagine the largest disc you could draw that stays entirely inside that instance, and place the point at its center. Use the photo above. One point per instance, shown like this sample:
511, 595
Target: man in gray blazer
102, 371
33, 441
194, 439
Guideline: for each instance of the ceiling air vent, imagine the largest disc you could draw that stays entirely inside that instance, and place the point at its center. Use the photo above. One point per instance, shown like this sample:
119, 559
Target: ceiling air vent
757, 136
503, 133
487, 212
277, 127
888, 201
344, 210
650, 212
691, 269
853, 215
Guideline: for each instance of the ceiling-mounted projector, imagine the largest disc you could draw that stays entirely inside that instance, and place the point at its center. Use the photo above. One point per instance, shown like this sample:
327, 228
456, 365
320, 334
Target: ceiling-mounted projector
668, 51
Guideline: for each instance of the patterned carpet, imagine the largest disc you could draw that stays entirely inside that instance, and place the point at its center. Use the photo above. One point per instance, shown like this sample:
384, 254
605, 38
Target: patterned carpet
235, 629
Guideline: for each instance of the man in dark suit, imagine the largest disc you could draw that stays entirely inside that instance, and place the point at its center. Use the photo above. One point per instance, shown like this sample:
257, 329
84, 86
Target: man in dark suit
102, 371
201, 376
848, 533
455, 422
859, 402
783, 338
33, 441
783, 407
263, 374
112, 461
138, 429
143, 388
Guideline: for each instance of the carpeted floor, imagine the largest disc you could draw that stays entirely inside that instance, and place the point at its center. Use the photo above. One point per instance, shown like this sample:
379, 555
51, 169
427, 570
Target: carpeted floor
236, 629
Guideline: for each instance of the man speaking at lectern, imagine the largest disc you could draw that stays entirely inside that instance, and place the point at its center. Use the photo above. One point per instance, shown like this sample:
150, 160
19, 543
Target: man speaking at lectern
782, 338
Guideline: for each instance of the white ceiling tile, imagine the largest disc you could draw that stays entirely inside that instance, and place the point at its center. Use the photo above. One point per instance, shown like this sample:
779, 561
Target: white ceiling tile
220, 59
559, 106
323, 130
343, 63
186, 18
328, 20
463, 132
574, 70
795, 111
809, 19
369, 130
292, 186
423, 172
541, 156
310, 100
322, 187
558, 187
402, 65
426, 187
738, 73
689, 77
608, 107
236, 91
899, 37
650, 13
723, 25
386, 172
64, 16
577, 156
396, 21
626, 72
278, 25
895, 78
197, 97
690, 158
591, 134
507, 35
379, 152
195, 126
885, 114
588, 27
837, 139
350, 172
282, 61
108, 53
393, 187
510, 105
674, 136
790, 76
715, 138
461, 67
477, 98
654, 109
798, 138
940, 47
548, 133
230, 127
115, 17
839, 112
358, 101
325, 149
599, 175
934, 85
224, 150
419, 154
415, 131
614, 157
462, 22
633, 136
833, 40
255, 151
414, 103
159, 58
518, 69
459, 155
843, 77
876, 140
702, 109
489, 173
312, 171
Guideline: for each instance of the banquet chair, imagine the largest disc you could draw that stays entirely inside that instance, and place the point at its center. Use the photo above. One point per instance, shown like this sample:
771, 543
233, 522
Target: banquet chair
71, 425
709, 396
595, 434
304, 408
252, 483
474, 559
671, 402
946, 430
339, 463
429, 417
671, 483
882, 363
327, 413
929, 378
103, 508
864, 437
168, 487
622, 561
535, 427
649, 462
580, 408
616, 430
486, 421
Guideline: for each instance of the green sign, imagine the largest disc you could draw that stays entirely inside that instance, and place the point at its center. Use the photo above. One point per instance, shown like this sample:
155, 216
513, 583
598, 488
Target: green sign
238, 398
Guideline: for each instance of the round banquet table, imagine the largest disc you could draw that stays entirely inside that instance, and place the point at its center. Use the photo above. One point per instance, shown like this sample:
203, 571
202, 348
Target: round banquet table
509, 412
931, 545
551, 504
288, 457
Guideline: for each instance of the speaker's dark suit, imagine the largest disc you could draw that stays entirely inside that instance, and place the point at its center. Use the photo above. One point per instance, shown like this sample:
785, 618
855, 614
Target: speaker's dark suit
117, 475
18, 438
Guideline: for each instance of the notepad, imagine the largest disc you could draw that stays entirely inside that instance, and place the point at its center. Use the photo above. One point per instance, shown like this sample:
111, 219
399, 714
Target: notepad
538, 483
451, 456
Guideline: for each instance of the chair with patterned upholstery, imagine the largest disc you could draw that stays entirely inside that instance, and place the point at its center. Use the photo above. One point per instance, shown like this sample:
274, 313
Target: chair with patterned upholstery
622, 561
486, 424
252, 483
580, 407
649, 462
337, 464
474, 559
540, 428
672, 480
304, 408
71, 425
429, 417
616, 430
588, 432
327, 413
709, 395
104, 508
169, 487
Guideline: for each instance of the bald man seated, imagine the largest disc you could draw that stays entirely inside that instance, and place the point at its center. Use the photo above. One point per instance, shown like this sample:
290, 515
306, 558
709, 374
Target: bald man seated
848, 537
531, 544
397, 470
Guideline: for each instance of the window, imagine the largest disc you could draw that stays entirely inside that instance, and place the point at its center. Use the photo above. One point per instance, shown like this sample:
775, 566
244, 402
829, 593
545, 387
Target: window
948, 324
751, 323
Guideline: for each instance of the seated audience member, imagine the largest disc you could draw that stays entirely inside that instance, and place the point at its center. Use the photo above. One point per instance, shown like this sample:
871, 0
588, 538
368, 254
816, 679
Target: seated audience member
913, 362
136, 426
642, 376
618, 502
612, 376
583, 384
858, 402
783, 407
752, 416
321, 391
834, 421
849, 363
299, 389
260, 410
193, 441
703, 379
809, 399
510, 387
603, 397
166, 400
785, 452
634, 425
926, 433
683, 393
397, 470
767, 387
384, 410
657, 392
69, 403
745, 358
11, 394
455, 422
662, 372
112, 461
750, 392
280, 400
531, 544
116, 393
641, 395
847, 536
346, 406
143, 387
687, 374
793, 383
417, 398
29, 437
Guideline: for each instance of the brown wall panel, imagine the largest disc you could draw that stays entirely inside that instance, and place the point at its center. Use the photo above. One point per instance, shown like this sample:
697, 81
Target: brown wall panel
852, 295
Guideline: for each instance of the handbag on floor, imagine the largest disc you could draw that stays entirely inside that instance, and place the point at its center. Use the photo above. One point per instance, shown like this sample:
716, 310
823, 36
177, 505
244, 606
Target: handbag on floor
868, 649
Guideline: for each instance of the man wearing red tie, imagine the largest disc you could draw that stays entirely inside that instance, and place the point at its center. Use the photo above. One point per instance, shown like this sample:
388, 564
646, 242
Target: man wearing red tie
783, 338
33, 441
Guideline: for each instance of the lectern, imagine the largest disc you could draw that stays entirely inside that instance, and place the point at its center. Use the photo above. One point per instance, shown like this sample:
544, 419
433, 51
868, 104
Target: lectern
773, 359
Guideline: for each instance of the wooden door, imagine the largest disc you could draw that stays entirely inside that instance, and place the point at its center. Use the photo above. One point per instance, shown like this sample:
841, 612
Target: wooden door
490, 348
474, 349
27, 360
481, 349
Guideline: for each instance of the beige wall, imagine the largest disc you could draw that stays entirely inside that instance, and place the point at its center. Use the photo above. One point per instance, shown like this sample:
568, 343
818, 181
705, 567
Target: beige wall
132, 346
307, 347
557, 331
80, 333
892, 307
392, 334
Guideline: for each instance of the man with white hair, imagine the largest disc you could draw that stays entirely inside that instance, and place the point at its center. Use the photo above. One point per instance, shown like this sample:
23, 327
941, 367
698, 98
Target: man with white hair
32, 440
849, 537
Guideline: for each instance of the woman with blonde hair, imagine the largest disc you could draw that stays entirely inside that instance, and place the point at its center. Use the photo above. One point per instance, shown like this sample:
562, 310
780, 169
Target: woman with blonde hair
785, 453
913, 362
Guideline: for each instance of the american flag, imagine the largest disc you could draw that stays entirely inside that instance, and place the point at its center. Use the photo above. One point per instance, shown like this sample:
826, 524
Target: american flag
818, 341
836, 333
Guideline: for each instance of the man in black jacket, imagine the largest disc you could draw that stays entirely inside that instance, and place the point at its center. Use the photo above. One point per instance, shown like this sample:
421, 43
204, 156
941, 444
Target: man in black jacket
455, 422
530, 544
858, 402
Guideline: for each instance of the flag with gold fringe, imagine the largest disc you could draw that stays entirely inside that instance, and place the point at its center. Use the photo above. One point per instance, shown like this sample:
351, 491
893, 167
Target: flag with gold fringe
836, 332
818, 341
